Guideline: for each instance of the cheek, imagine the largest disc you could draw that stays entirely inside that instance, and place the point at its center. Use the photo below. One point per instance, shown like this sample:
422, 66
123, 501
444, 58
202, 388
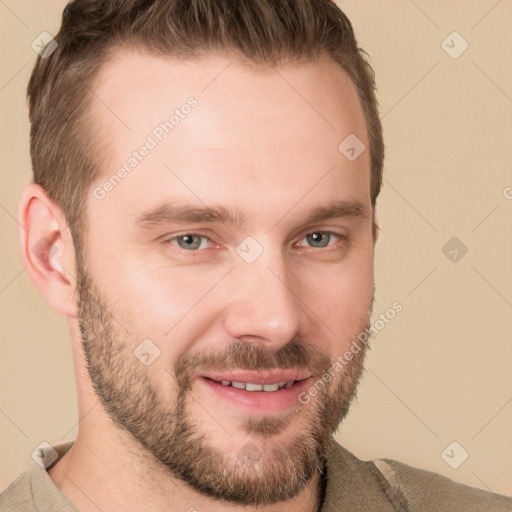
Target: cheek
164, 303
341, 294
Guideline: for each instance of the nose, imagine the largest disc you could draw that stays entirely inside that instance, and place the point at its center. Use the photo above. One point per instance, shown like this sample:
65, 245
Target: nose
263, 307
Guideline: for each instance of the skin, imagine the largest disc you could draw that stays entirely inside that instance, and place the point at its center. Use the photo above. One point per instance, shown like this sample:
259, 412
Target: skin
256, 144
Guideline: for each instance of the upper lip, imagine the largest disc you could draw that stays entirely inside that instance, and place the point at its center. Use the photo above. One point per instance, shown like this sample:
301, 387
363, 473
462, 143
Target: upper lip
258, 377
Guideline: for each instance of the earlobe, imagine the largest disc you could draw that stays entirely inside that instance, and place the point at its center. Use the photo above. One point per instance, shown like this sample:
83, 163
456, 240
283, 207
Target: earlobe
375, 225
47, 249
376, 232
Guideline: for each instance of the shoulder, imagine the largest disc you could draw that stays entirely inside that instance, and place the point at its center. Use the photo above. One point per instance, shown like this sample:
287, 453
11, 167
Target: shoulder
388, 485
35, 490
18, 496
428, 491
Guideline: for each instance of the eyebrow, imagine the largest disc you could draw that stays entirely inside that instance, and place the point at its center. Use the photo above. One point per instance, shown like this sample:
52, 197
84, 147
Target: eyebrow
167, 213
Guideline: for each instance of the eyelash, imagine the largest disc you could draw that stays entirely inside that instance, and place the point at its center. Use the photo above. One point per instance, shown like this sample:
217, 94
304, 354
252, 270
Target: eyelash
196, 251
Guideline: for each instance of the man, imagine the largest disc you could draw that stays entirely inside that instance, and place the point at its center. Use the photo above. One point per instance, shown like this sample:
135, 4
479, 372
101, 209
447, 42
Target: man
205, 178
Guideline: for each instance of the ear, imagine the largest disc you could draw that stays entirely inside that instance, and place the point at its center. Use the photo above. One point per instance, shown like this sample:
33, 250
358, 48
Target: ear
47, 249
375, 225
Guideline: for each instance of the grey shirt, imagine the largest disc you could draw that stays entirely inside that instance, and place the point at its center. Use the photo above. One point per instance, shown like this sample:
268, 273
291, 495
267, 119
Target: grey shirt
350, 485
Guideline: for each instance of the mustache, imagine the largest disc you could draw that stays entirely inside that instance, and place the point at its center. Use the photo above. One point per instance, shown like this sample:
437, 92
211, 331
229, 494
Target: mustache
296, 354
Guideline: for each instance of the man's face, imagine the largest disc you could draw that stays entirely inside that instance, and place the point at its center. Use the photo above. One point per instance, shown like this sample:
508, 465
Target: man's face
171, 304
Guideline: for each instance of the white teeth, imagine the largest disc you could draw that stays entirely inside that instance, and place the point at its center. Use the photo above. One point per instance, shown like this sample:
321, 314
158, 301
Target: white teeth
253, 387
249, 386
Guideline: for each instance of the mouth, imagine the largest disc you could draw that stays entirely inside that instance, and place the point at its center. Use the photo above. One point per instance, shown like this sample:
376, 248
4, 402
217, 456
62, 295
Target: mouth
251, 386
258, 393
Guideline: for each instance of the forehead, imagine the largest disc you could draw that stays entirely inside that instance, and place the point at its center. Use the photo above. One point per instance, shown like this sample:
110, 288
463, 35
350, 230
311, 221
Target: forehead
218, 130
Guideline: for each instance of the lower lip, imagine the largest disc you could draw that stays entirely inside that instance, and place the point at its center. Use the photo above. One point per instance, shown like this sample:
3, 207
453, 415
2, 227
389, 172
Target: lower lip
258, 402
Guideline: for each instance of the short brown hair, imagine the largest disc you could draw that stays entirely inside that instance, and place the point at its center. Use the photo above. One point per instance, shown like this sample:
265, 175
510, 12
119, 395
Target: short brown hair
268, 32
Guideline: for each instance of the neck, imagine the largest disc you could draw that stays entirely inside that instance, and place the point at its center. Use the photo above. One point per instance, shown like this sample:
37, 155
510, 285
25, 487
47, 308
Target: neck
106, 469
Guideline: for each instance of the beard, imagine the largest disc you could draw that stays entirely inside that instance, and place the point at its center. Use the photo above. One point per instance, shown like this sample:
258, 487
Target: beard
268, 469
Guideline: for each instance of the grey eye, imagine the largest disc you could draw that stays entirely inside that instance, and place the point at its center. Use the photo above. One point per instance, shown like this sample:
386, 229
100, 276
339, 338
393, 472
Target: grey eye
319, 239
189, 242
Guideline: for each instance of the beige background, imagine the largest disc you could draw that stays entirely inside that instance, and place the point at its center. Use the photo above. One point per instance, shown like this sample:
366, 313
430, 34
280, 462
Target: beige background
440, 371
